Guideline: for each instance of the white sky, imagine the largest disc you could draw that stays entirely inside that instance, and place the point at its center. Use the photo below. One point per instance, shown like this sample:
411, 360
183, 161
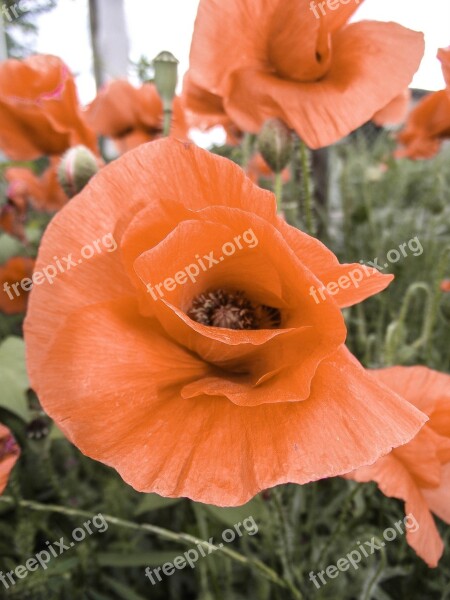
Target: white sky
155, 25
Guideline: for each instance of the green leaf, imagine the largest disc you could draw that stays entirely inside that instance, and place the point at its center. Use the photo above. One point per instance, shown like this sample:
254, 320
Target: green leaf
153, 502
13, 377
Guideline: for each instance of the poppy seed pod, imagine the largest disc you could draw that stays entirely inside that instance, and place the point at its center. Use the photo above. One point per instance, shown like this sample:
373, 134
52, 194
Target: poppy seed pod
77, 167
275, 144
166, 77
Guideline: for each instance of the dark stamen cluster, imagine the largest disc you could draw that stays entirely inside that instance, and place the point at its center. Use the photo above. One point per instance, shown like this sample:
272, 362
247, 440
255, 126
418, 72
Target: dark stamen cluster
232, 310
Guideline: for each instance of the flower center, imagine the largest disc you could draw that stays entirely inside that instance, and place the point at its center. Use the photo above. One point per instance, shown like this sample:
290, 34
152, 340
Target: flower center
232, 310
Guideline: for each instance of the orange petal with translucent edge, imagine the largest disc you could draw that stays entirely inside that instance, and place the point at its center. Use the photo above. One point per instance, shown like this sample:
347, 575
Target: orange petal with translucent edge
214, 54
338, 17
395, 112
353, 283
119, 190
324, 111
114, 110
427, 389
295, 32
204, 109
162, 443
395, 481
431, 118
324, 264
438, 498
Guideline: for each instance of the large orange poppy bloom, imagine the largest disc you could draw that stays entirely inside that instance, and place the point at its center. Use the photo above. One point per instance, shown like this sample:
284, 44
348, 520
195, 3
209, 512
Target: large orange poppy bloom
419, 472
39, 111
212, 386
132, 116
9, 453
14, 300
429, 122
43, 193
318, 74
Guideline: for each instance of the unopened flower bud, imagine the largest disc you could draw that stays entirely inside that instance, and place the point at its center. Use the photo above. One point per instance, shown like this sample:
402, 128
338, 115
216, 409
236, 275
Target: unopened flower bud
166, 77
78, 165
275, 144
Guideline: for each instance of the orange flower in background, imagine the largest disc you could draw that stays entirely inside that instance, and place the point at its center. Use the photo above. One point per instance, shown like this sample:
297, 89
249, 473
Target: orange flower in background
205, 110
445, 285
132, 116
287, 60
395, 112
13, 298
216, 374
42, 192
39, 111
429, 122
419, 472
9, 453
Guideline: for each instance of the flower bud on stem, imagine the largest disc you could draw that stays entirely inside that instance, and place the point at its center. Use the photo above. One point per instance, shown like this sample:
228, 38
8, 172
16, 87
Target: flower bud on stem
166, 77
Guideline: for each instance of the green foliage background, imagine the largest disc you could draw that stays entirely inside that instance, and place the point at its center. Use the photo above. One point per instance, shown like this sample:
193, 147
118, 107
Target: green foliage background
371, 210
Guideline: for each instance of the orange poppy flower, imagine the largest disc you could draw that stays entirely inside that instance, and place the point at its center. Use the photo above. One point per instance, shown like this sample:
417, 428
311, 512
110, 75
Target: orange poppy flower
395, 112
427, 125
132, 116
290, 61
195, 361
445, 285
43, 193
9, 453
39, 111
14, 298
419, 472
429, 122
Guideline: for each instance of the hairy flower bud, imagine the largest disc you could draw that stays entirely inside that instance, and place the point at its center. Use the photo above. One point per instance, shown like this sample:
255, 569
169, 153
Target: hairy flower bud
78, 165
275, 144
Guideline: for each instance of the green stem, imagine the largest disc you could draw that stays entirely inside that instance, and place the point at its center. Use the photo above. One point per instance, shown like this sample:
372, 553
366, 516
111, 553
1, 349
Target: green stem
278, 189
307, 190
286, 554
165, 534
167, 121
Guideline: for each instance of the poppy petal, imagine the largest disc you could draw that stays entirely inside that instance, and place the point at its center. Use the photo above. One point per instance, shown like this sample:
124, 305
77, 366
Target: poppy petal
347, 96
250, 454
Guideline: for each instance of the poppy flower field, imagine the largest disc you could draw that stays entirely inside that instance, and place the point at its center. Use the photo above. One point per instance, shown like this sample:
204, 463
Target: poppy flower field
225, 368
